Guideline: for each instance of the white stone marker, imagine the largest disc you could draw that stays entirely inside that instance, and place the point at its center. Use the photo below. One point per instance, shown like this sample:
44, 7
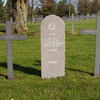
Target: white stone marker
52, 47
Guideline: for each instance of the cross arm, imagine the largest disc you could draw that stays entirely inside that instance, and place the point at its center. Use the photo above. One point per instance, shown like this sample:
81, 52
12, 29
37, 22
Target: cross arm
88, 31
13, 37
2, 37
19, 37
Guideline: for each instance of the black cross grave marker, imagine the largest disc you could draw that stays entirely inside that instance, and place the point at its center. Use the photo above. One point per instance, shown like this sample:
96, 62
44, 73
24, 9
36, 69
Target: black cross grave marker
9, 36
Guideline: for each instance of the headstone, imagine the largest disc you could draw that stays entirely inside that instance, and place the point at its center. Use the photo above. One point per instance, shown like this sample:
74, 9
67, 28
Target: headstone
88, 31
97, 57
9, 37
52, 47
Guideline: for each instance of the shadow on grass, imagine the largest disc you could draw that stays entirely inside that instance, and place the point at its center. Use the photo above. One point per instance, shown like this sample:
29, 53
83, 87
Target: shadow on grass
27, 70
77, 70
5, 76
37, 63
2, 29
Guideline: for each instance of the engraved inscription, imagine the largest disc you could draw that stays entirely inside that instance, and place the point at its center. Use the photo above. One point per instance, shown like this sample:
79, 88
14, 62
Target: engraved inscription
52, 62
51, 26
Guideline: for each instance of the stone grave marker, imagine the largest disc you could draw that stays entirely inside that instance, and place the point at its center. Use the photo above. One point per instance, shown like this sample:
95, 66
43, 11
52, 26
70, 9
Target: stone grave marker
97, 57
9, 36
52, 47
88, 31
73, 23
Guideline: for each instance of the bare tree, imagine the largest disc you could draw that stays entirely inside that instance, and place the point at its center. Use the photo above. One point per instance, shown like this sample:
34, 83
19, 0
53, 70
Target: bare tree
19, 14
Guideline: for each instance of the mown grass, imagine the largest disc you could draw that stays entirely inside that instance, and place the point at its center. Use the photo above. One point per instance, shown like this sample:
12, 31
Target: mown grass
78, 83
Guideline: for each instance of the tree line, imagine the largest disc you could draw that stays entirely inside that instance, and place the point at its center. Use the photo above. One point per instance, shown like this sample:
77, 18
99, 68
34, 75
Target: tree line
64, 8
88, 7
20, 10
47, 7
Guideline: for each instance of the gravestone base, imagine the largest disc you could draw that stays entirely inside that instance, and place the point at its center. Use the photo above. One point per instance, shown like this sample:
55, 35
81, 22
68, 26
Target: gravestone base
54, 74
10, 78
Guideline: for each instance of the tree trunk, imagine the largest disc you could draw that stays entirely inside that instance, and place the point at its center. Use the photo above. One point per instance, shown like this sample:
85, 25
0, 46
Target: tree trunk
19, 14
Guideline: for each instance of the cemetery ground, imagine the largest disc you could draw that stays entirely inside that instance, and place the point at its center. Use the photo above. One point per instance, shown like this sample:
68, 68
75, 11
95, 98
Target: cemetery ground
78, 82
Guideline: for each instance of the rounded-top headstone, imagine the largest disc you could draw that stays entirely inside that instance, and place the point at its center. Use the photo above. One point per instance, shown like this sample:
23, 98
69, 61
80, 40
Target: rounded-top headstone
52, 47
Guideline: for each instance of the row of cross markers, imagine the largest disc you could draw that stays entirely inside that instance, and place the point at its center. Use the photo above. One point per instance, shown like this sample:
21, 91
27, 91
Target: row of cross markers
52, 47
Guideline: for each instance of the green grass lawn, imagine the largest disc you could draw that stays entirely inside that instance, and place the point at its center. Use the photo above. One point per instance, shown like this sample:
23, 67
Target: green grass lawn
78, 83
